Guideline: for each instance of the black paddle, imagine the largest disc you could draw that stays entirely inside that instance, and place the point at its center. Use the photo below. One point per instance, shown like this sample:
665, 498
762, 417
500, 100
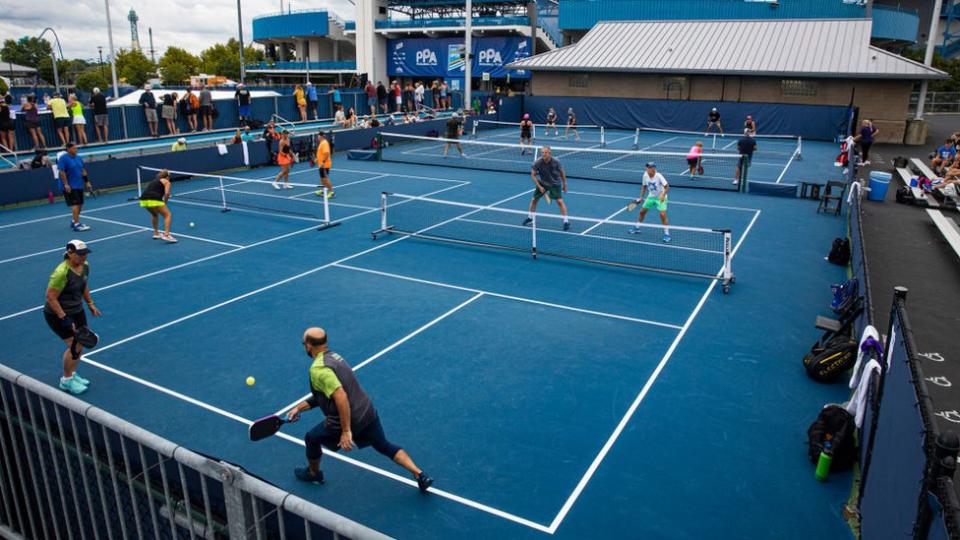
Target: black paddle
83, 336
266, 426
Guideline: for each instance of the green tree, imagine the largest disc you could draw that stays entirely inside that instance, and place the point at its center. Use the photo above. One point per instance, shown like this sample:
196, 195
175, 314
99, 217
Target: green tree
951, 66
176, 65
93, 78
3, 86
45, 70
135, 67
224, 58
27, 51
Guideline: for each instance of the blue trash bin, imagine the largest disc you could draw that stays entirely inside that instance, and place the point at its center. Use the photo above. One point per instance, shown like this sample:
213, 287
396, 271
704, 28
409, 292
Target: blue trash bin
879, 182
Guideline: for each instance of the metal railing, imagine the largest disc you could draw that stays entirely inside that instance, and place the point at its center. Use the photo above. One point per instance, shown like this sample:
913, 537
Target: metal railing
514, 20
72, 470
937, 102
341, 65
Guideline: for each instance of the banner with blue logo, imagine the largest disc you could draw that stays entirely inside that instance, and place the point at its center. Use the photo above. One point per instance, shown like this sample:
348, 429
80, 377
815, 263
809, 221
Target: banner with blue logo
421, 57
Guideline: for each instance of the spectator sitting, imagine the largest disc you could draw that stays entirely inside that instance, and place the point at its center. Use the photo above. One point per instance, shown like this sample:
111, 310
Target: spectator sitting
247, 135
39, 160
351, 118
373, 121
943, 156
179, 146
339, 118
237, 137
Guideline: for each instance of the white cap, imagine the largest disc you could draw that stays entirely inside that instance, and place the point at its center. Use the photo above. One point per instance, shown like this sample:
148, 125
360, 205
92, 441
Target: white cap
147, 87
96, 90
77, 246
182, 140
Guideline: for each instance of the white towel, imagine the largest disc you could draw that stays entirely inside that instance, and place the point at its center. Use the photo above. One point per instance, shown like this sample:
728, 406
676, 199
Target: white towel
855, 188
858, 401
222, 148
868, 332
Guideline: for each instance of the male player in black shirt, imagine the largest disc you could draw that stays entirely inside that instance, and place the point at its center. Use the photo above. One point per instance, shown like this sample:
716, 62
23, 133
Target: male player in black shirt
453, 134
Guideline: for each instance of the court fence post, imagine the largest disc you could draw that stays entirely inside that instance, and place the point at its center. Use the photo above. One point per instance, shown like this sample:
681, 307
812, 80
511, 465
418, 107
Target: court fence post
533, 235
383, 211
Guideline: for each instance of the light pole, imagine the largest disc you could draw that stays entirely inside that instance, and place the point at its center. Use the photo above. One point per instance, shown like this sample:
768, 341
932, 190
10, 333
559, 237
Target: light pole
243, 71
113, 62
100, 52
468, 67
56, 74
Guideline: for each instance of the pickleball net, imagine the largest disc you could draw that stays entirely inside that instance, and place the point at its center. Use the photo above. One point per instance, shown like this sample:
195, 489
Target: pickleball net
717, 171
691, 251
483, 129
298, 201
773, 145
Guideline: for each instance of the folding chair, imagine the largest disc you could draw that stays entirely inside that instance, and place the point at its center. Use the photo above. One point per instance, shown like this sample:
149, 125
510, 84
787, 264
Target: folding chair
831, 197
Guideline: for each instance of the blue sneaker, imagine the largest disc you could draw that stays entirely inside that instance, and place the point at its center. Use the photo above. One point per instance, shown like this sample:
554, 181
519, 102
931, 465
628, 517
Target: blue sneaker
80, 379
303, 473
566, 225
666, 238
72, 385
635, 230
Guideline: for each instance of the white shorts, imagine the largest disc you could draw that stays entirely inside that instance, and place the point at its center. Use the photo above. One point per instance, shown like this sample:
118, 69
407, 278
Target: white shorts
79, 120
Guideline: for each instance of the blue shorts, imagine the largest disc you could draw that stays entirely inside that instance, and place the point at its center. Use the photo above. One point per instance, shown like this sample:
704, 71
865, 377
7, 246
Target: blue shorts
371, 102
244, 111
371, 435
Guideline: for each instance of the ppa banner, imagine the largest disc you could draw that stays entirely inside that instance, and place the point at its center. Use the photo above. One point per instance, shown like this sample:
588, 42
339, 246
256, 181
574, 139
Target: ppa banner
420, 57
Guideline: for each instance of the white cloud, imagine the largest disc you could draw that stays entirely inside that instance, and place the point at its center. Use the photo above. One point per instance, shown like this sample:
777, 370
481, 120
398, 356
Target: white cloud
82, 24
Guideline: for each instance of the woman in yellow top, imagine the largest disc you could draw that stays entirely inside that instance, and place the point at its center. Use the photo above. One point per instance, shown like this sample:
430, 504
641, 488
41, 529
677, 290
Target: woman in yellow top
79, 122
324, 162
301, 102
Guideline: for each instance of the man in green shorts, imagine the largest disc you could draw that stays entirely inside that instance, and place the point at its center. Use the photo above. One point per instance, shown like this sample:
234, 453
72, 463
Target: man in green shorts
552, 182
653, 195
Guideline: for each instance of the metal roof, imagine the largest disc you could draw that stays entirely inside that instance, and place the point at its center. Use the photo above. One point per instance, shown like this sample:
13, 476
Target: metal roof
835, 48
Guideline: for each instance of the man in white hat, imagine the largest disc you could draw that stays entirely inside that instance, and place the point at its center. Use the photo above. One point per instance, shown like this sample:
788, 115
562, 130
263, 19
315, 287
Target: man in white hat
180, 145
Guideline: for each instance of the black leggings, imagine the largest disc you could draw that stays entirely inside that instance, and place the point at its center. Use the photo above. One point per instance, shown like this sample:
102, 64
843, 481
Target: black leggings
865, 150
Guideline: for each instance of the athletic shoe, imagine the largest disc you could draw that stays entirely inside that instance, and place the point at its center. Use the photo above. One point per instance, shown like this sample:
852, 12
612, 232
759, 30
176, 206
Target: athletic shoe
156, 236
735, 182
168, 238
424, 482
866, 163
566, 225
303, 473
72, 385
634, 230
275, 185
80, 227
527, 221
80, 379
666, 238
287, 186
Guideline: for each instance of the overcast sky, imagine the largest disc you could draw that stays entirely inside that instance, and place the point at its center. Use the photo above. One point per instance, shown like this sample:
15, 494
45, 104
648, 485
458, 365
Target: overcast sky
191, 24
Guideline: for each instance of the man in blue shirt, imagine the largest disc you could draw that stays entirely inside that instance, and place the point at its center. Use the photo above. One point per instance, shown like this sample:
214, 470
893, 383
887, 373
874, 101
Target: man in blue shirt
943, 156
73, 179
312, 100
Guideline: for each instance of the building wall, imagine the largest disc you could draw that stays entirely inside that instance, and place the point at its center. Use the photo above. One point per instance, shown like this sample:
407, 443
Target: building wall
884, 101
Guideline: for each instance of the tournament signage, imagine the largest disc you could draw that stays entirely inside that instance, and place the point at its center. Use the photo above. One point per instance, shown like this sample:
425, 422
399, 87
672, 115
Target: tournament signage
419, 57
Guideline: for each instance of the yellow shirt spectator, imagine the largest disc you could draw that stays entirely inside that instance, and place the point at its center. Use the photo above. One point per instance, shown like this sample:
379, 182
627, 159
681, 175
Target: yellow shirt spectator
58, 107
179, 146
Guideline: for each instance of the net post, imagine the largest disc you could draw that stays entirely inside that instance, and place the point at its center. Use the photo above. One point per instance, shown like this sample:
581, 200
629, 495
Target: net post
533, 132
727, 260
380, 146
383, 210
223, 195
139, 184
799, 148
744, 166
473, 134
636, 139
533, 235
326, 211
603, 136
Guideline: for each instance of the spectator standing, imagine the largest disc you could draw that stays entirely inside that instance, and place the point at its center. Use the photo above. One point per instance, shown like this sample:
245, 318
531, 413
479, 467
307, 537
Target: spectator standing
73, 180
301, 99
418, 96
242, 96
192, 108
312, 100
868, 133
79, 121
336, 96
408, 96
31, 115
444, 97
8, 136
397, 95
206, 108
61, 118
101, 118
149, 104
435, 94
371, 92
270, 135
168, 111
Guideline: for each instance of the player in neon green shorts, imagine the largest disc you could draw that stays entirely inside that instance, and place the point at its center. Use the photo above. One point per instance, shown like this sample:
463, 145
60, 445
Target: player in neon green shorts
653, 195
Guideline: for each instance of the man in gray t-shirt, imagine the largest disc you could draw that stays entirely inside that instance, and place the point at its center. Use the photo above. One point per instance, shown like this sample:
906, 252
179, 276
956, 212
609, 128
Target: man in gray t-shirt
550, 181
206, 108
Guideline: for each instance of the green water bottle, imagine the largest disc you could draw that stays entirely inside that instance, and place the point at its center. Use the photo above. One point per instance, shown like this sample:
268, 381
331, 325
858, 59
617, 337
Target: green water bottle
826, 458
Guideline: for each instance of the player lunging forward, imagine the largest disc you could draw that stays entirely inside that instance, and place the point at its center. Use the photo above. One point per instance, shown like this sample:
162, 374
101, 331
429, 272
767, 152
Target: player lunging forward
653, 195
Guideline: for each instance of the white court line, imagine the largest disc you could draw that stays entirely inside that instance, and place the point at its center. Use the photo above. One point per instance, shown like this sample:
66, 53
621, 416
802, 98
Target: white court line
142, 228
509, 297
603, 221
128, 233
335, 455
289, 279
623, 197
394, 345
555, 524
784, 172
361, 171
66, 216
214, 256
605, 163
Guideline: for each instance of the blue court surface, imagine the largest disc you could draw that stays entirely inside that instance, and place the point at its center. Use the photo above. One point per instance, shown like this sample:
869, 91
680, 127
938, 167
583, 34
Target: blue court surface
547, 397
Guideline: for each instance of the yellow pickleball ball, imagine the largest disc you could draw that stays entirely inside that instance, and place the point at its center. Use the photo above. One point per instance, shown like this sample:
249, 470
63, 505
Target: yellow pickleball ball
250, 381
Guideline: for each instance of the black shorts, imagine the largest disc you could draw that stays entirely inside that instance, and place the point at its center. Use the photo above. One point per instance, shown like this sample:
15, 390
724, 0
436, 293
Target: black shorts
74, 197
205, 110
61, 122
312, 104
693, 162
79, 319
324, 172
328, 437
